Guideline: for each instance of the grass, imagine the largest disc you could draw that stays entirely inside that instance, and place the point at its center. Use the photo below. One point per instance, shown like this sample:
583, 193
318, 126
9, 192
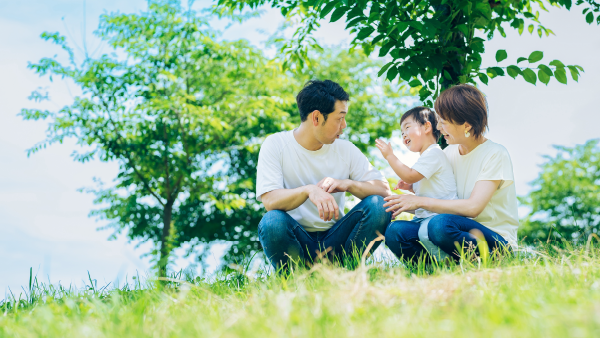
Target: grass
553, 291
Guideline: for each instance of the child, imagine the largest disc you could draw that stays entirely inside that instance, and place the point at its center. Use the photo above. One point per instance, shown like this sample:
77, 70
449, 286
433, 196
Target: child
431, 176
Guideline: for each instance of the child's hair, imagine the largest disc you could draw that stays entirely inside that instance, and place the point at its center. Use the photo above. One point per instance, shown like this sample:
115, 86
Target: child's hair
464, 103
421, 115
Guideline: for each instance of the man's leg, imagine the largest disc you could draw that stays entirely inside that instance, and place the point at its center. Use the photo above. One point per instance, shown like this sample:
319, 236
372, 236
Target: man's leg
402, 238
277, 232
446, 230
358, 227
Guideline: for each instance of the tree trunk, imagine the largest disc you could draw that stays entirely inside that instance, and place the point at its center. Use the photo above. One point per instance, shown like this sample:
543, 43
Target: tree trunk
165, 246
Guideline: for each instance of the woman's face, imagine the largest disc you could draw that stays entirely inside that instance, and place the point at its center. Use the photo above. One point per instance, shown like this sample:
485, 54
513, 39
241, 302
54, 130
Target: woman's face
453, 133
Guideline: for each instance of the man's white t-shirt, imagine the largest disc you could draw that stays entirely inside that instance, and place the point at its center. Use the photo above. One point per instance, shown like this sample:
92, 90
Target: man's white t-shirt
489, 162
438, 181
284, 164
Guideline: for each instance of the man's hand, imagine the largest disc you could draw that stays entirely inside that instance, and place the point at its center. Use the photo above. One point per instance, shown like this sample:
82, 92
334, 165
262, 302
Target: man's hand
385, 148
404, 186
331, 185
328, 208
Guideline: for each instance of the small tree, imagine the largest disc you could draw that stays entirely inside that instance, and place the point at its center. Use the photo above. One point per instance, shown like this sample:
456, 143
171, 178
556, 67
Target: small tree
180, 113
565, 201
432, 44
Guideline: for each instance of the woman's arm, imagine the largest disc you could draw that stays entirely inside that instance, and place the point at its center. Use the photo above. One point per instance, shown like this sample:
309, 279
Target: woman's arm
471, 207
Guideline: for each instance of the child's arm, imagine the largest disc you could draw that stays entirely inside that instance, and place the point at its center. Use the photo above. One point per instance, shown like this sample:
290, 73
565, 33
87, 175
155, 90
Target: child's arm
407, 174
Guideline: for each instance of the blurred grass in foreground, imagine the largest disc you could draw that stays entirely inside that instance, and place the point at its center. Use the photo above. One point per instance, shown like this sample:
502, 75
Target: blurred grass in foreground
552, 291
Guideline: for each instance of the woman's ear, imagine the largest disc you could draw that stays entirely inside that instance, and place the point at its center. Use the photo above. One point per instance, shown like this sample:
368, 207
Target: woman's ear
468, 127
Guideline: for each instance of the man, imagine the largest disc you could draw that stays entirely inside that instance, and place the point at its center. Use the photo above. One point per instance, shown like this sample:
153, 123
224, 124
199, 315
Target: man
302, 178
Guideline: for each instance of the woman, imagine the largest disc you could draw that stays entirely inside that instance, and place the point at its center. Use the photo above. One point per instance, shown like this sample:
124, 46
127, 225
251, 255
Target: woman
487, 204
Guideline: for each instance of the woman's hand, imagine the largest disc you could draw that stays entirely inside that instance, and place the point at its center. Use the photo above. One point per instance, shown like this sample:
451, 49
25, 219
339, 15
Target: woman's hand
401, 203
385, 148
404, 186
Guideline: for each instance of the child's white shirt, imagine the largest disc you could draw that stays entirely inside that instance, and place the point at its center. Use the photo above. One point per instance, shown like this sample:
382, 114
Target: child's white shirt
438, 178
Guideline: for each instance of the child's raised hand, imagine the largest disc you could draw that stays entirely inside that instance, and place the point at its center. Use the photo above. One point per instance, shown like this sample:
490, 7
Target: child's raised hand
385, 148
404, 186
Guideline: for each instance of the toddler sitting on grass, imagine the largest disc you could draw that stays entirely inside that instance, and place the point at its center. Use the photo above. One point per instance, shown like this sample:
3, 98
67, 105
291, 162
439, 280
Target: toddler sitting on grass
431, 176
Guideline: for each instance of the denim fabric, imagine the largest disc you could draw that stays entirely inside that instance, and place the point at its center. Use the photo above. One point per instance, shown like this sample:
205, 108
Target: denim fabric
431, 248
282, 237
402, 237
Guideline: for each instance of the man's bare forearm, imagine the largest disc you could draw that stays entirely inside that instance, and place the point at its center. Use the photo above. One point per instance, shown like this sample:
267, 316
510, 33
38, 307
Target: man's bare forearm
286, 199
368, 188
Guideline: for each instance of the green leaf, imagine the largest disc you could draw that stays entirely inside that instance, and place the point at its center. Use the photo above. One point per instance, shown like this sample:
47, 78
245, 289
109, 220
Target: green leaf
501, 55
513, 71
543, 76
417, 25
557, 63
530, 29
496, 70
579, 67
535, 56
546, 70
589, 18
384, 68
365, 32
529, 76
415, 83
328, 8
463, 29
392, 72
447, 75
540, 31
574, 73
483, 78
522, 59
338, 13
561, 75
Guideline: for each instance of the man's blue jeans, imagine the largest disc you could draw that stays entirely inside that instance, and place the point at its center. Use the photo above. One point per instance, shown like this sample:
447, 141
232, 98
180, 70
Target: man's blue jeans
283, 238
402, 237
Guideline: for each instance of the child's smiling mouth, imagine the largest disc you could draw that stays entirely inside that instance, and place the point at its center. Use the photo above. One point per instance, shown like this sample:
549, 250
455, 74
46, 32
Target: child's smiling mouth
406, 142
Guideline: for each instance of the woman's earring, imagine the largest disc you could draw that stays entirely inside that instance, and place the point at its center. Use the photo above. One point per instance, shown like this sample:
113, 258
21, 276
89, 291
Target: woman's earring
467, 133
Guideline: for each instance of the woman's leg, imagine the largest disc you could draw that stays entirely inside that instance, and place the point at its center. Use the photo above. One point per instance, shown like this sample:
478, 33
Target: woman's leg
446, 231
402, 237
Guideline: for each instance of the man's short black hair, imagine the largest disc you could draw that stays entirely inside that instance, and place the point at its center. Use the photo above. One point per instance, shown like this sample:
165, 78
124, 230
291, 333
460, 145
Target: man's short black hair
321, 96
421, 115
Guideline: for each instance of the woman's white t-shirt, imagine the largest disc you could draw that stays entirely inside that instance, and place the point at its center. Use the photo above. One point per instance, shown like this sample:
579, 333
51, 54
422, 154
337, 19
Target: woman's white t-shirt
284, 164
489, 162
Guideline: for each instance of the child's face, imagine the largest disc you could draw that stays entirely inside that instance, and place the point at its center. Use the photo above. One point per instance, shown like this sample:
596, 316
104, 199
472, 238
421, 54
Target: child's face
413, 134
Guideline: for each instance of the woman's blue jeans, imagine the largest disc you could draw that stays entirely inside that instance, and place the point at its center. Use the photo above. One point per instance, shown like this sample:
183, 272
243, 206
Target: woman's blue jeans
283, 238
445, 231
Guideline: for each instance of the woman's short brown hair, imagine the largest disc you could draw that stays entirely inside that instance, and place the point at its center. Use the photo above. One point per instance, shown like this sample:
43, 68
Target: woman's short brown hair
464, 103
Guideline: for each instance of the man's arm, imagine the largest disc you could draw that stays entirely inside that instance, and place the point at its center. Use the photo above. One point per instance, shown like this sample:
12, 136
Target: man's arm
356, 188
290, 199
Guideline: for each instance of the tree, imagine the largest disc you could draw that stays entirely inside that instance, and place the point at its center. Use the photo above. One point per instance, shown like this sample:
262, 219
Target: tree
432, 44
180, 113
565, 200
184, 116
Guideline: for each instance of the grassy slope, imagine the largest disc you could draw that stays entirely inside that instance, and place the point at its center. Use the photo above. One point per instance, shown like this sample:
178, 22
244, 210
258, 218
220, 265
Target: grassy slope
555, 293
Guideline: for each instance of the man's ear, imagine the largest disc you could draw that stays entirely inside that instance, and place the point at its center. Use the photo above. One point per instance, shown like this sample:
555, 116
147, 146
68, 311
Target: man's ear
316, 117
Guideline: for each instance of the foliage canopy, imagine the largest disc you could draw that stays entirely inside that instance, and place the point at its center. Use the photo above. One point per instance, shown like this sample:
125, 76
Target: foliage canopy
432, 44
565, 201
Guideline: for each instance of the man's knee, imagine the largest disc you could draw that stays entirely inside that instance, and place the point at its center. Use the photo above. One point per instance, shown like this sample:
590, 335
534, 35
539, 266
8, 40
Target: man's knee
377, 213
273, 225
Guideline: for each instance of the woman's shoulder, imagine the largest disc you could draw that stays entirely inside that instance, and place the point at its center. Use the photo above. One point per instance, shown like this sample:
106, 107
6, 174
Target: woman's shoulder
495, 149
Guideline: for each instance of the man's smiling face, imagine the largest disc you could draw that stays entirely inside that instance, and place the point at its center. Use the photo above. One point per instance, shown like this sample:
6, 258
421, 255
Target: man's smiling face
332, 129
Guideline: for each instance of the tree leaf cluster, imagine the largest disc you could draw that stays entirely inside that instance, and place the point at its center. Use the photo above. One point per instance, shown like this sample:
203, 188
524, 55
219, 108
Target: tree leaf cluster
565, 200
430, 44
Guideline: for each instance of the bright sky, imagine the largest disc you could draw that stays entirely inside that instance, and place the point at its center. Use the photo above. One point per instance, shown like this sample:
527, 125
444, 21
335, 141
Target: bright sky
44, 219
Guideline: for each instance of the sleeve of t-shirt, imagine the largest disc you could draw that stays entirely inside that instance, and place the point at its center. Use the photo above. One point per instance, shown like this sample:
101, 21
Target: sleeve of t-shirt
498, 166
361, 169
269, 173
429, 163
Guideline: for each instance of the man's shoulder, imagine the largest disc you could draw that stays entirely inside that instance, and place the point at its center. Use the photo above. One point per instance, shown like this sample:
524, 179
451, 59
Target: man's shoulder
345, 146
277, 140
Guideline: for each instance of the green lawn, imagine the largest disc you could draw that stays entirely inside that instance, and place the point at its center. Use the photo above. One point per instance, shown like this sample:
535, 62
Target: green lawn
554, 292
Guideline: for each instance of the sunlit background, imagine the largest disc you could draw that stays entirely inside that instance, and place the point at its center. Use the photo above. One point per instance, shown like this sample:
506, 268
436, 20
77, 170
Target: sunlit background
44, 220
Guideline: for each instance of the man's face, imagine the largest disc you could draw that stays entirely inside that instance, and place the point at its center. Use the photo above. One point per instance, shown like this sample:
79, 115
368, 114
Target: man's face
331, 130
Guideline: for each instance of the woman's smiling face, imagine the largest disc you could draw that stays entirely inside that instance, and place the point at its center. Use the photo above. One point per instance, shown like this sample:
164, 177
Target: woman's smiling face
453, 133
